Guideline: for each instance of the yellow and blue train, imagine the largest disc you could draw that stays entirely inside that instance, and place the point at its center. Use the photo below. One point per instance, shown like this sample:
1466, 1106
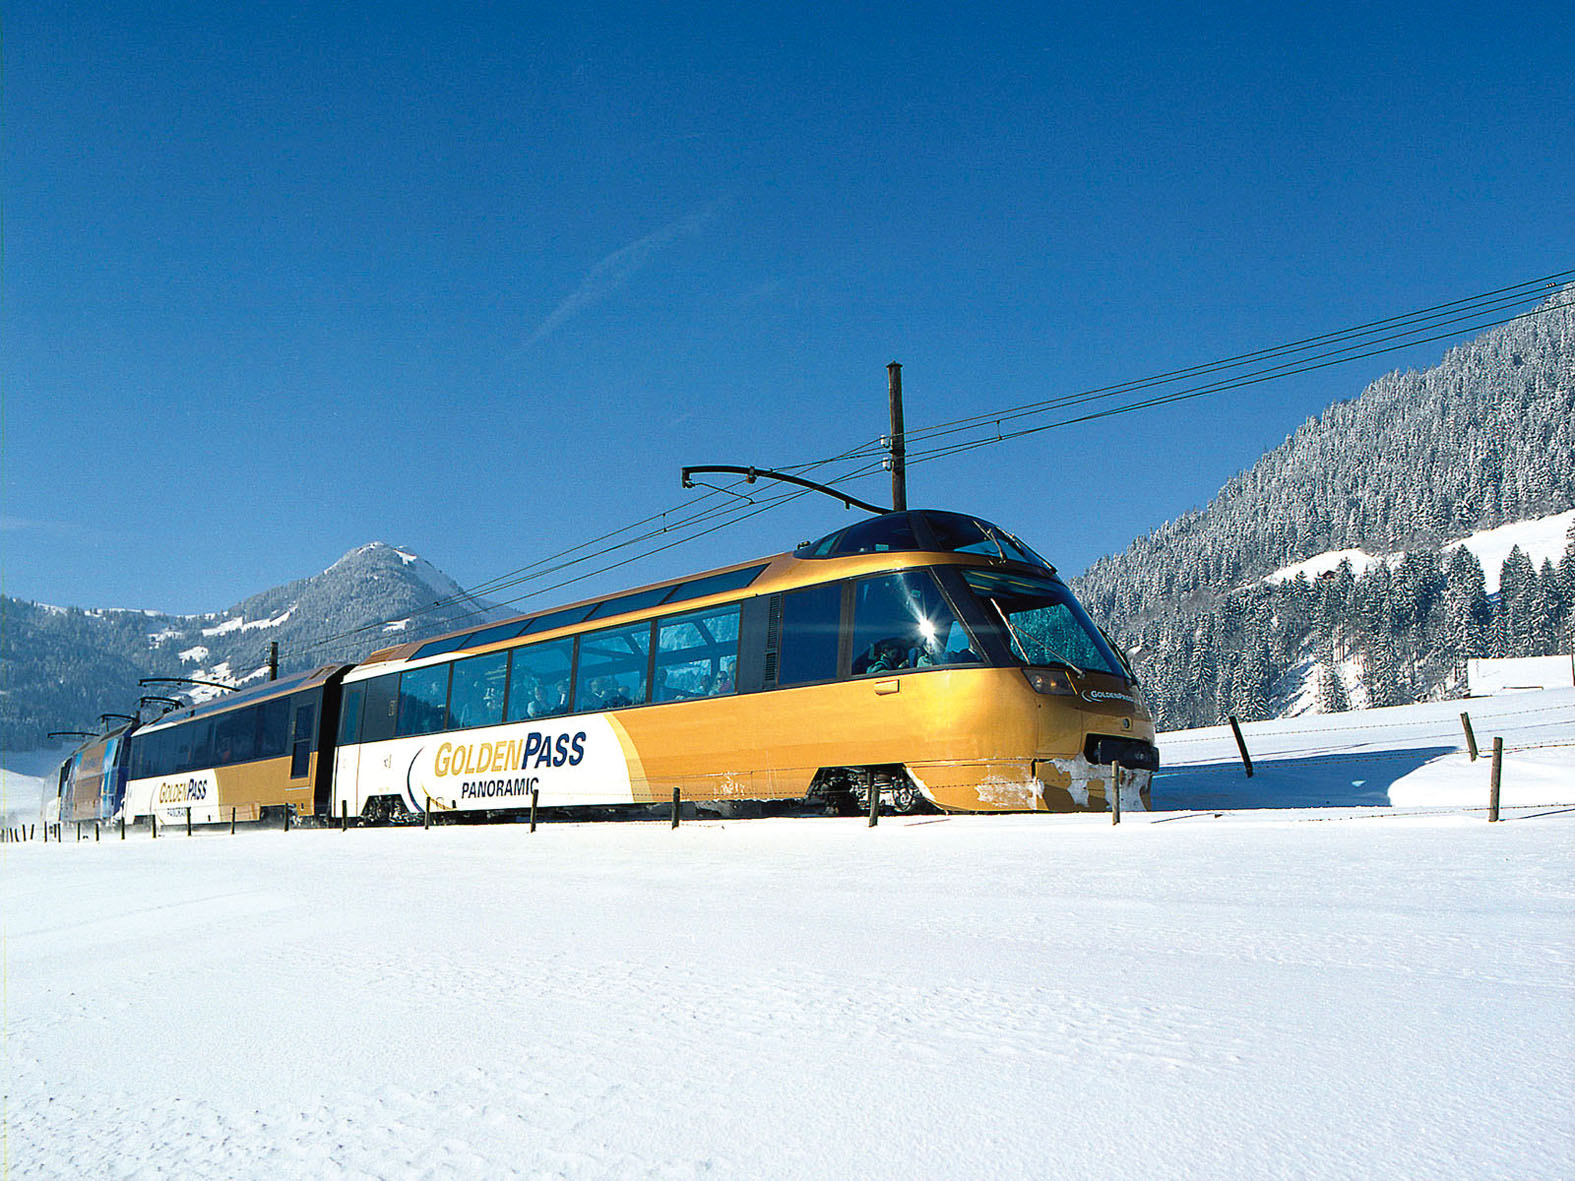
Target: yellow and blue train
930, 657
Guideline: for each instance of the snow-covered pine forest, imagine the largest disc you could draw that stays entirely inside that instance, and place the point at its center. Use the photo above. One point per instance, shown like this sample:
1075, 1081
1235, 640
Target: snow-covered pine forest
1419, 460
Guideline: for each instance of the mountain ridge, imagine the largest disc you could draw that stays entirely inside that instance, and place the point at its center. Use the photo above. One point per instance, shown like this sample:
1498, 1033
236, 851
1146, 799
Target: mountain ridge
62, 665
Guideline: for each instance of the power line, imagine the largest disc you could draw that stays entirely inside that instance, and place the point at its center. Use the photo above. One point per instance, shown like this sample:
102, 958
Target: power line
1490, 301
1307, 365
695, 513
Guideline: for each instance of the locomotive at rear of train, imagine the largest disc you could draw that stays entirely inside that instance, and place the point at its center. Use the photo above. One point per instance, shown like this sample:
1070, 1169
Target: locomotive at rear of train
928, 656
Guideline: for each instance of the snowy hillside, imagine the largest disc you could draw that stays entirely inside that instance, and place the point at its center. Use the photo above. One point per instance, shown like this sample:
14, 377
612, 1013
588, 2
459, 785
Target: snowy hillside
1361, 561
1340, 992
1541, 539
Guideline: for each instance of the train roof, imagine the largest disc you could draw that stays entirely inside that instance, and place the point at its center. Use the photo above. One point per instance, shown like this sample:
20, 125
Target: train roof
888, 539
244, 697
93, 740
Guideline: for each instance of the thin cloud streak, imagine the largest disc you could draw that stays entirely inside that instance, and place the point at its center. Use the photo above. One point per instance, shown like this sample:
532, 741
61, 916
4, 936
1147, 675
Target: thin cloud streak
616, 269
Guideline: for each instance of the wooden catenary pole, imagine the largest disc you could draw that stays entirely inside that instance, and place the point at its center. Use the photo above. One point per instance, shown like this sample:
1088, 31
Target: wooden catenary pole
1241, 745
1493, 783
1471, 738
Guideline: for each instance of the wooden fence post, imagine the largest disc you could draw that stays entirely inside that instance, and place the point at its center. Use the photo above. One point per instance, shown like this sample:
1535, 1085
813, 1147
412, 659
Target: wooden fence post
1115, 792
1471, 738
675, 807
1498, 767
188, 820
344, 815
1241, 745
874, 802
232, 820
535, 796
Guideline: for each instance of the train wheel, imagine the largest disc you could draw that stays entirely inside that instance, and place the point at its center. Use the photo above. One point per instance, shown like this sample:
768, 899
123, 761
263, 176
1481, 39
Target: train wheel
907, 799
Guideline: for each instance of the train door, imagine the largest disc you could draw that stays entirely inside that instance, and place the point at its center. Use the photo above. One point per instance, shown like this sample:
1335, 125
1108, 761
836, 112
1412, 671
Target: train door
347, 750
303, 728
327, 728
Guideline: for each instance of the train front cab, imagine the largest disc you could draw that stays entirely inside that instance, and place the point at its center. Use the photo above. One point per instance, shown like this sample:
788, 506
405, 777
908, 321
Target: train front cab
1033, 716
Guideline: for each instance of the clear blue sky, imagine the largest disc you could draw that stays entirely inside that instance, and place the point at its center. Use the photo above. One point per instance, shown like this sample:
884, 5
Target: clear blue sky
478, 279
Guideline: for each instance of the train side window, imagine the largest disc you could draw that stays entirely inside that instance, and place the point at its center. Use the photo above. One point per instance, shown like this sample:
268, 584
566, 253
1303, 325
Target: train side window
423, 699
350, 714
612, 668
235, 737
200, 753
273, 728
476, 698
811, 624
539, 680
901, 621
382, 705
697, 654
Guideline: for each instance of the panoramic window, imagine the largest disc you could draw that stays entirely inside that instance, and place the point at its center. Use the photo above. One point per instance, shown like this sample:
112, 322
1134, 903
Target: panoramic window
612, 668
697, 654
553, 619
714, 584
539, 682
476, 698
956, 533
811, 627
423, 694
1043, 622
901, 621
491, 635
878, 535
638, 601
435, 647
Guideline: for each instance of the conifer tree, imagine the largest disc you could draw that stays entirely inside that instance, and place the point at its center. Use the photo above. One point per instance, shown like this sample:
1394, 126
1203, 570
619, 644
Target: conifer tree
1332, 698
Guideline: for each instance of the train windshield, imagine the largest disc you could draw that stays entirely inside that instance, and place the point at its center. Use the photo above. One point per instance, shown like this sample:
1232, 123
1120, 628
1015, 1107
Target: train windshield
1045, 625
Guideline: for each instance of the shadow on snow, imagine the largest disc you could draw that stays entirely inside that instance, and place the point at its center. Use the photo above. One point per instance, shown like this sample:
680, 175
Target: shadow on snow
1322, 781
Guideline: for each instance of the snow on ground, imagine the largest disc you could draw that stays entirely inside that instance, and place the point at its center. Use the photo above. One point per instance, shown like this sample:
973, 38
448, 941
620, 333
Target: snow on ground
1325, 563
1540, 539
1015, 996
240, 623
23, 775
1409, 755
1339, 991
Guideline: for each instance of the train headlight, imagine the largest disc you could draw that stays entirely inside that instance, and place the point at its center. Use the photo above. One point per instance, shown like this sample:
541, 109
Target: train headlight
1052, 681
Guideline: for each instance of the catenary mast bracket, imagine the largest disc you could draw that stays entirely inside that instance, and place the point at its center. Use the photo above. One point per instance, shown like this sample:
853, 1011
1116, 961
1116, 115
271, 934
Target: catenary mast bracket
751, 474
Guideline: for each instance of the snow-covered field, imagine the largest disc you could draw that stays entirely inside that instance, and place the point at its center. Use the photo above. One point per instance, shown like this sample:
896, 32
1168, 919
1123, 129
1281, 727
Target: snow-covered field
1407, 756
1339, 991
